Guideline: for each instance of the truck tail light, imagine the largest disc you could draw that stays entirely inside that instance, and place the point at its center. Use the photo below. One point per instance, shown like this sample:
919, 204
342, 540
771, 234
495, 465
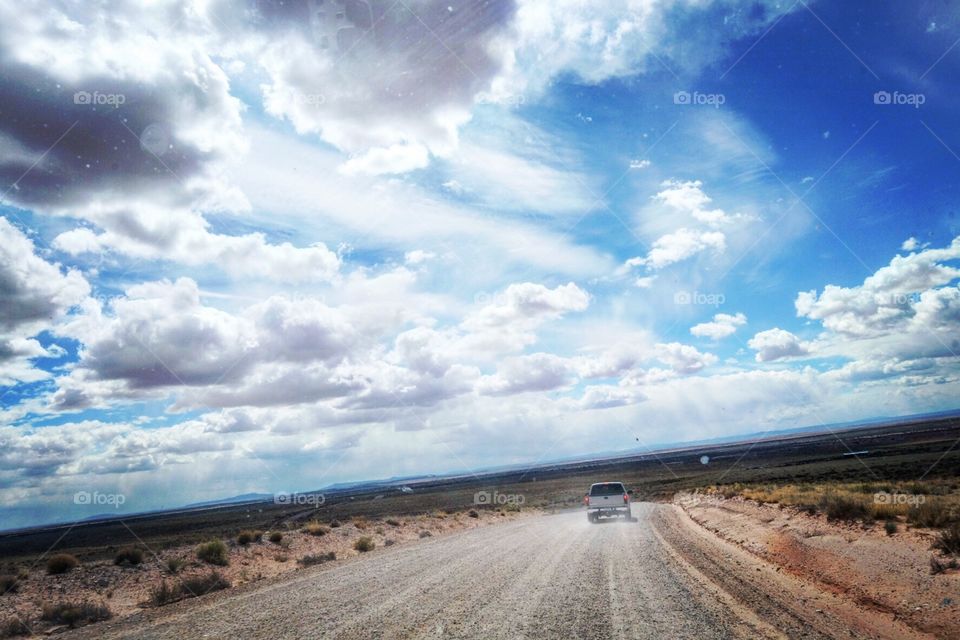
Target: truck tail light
586, 500
626, 498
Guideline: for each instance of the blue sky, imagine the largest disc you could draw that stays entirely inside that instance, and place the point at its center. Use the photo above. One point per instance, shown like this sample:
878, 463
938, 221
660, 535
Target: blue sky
242, 252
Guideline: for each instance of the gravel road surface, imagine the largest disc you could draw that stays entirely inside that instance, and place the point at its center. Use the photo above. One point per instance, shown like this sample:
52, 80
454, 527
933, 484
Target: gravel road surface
551, 576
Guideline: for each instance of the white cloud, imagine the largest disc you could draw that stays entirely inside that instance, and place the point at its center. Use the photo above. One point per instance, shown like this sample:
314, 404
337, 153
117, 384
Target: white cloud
885, 300
679, 246
534, 372
776, 344
683, 358
723, 325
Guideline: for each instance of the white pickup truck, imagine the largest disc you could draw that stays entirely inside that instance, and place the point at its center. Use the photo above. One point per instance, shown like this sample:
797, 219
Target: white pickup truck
607, 499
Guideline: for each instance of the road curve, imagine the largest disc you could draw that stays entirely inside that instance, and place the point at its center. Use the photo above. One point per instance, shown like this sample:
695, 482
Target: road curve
552, 576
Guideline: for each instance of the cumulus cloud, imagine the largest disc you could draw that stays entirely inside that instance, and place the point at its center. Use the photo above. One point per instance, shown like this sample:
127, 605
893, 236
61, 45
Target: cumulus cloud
776, 344
534, 372
684, 358
36, 295
886, 299
680, 245
723, 325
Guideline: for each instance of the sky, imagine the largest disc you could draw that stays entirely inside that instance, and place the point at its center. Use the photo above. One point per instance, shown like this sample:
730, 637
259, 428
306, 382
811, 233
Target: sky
270, 246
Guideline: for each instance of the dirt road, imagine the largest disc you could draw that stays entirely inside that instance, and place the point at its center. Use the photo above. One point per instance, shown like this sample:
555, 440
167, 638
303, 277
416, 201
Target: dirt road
553, 576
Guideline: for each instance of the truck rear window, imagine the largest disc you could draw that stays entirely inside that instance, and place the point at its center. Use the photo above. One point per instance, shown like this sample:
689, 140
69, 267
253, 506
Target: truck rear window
609, 489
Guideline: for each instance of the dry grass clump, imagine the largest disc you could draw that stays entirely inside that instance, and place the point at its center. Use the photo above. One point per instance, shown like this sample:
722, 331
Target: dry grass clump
214, 552
195, 586
129, 555
317, 558
61, 563
364, 544
316, 529
75, 613
247, 536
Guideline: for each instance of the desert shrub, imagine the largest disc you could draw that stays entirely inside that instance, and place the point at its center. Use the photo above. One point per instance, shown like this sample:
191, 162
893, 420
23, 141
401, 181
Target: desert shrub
364, 544
9, 584
281, 558
164, 593
361, 523
214, 552
316, 529
247, 536
890, 527
275, 537
936, 567
392, 522
131, 555
200, 585
195, 586
841, 507
175, 564
389, 542
61, 563
334, 524
948, 540
15, 627
318, 558
932, 514
74, 613
425, 534
473, 513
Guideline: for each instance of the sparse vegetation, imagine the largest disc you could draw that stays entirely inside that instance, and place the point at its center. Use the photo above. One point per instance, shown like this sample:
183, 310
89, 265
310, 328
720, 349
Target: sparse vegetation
317, 529
129, 555
13, 627
247, 536
276, 537
361, 523
933, 513
389, 542
318, 558
425, 534
165, 592
61, 563
392, 522
334, 524
364, 544
890, 527
75, 613
174, 565
948, 540
214, 552
473, 513
9, 584
844, 507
